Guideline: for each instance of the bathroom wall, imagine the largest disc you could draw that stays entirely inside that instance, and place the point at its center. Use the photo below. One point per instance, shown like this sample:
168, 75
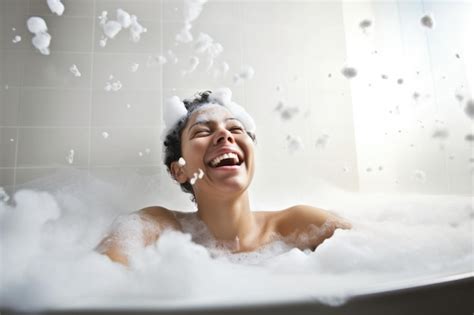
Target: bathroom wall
297, 50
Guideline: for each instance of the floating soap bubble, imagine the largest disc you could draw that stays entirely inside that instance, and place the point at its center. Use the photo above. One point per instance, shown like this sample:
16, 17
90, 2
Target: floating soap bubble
440, 133
16, 39
12, 140
105, 134
365, 24
172, 57
193, 63
457, 56
246, 73
111, 28
123, 17
349, 72
147, 151
156, 60
469, 109
36, 25
427, 21
42, 39
191, 11
322, 141
136, 29
400, 81
70, 157
384, 76
294, 144
113, 84
140, 153
75, 71
56, 6
134, 67
222, 69
419, 176
103, 42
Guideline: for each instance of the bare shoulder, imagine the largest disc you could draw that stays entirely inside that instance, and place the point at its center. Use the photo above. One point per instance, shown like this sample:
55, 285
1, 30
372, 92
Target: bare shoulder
299, 217
162, 216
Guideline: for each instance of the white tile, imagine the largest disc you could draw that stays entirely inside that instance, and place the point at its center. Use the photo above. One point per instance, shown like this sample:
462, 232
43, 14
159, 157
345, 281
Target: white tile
53, 70
54, 107
50, 147
14, 65
9, 102
126, 108
81, 8
120, 66
71, 34
125, 146
7, 179
8, 143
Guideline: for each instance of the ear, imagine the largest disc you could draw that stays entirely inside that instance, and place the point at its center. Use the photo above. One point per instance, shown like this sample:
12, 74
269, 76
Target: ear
178, 172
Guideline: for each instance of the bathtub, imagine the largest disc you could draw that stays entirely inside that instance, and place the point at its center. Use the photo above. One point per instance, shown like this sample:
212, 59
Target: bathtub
450, 294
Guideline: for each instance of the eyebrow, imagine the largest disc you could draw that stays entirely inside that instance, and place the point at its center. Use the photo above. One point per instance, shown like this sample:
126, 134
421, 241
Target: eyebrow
206, 122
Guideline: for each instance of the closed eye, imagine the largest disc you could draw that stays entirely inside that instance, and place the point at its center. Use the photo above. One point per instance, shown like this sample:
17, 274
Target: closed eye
200, 133
236, 129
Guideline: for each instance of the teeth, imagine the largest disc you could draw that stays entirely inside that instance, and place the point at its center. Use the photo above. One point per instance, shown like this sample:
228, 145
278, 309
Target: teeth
224, 156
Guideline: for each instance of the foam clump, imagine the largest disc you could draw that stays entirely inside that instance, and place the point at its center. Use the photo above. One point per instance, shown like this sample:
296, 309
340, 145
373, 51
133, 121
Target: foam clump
42, 39
246, 73
191, 11
469, 109
349, 72
286, 112
16, 39
50, 231
223, 96
75, 71
56, 6
124, 20
294, 143
173, 111
427, 21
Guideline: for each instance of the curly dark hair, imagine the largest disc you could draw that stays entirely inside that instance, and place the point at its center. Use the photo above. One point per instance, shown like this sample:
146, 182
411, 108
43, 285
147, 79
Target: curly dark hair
172, 142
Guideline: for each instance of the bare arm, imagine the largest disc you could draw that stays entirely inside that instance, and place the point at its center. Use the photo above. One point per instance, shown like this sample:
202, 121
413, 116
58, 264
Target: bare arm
140, 228
307, 226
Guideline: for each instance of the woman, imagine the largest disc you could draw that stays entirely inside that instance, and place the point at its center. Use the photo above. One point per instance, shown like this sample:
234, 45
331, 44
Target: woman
209, 151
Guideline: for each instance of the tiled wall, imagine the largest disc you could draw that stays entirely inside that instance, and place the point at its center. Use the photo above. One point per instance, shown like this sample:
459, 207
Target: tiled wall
296, 48
47, 111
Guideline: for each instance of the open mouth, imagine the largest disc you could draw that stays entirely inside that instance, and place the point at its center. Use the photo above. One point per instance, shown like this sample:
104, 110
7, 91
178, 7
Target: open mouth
226, 159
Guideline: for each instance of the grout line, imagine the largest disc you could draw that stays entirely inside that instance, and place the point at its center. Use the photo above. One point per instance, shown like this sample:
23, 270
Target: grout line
91, 88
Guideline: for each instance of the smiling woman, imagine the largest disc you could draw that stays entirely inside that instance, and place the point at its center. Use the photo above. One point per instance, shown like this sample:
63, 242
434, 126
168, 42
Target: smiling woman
209, 151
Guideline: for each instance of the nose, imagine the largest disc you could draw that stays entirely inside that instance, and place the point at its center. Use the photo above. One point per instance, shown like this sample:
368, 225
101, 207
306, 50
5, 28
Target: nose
223, 135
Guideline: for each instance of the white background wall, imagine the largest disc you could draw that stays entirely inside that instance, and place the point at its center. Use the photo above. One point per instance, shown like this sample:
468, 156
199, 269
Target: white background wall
297, 50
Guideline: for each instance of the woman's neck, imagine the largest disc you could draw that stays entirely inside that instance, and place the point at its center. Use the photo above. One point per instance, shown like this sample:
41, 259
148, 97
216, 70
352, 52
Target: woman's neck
228, 219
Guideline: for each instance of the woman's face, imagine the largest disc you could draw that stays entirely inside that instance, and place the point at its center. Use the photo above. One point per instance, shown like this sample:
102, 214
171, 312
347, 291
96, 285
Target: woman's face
216, 142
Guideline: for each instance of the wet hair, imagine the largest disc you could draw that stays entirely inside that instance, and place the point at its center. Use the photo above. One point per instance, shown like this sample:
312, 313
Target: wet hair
172, 142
